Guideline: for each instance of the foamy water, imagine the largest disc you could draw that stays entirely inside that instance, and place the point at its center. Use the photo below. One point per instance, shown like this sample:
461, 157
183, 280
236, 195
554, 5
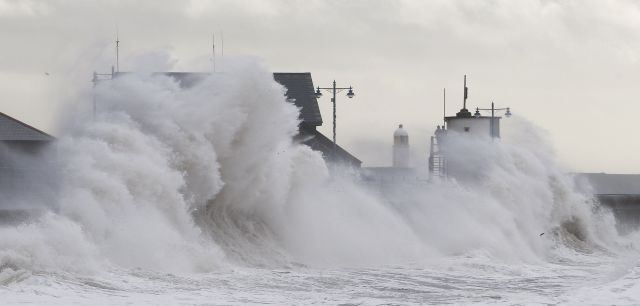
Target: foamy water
456, 280
199, 195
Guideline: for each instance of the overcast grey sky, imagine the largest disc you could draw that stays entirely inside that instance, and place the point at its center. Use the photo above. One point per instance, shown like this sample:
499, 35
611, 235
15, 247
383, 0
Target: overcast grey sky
570, 67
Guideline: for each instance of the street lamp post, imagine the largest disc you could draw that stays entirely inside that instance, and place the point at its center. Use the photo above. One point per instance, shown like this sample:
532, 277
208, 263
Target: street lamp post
334, 90
493, 109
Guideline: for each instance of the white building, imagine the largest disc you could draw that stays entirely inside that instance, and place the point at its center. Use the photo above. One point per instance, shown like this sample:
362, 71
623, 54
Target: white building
480, 126
464, 123
400, 148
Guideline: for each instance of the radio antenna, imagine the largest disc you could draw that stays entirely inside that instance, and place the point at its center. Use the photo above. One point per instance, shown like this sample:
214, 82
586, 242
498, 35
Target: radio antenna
117, 51
466, 93
444, 107
213, 51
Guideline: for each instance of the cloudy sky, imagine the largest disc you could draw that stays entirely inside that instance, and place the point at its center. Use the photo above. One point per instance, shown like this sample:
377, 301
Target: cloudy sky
570, 67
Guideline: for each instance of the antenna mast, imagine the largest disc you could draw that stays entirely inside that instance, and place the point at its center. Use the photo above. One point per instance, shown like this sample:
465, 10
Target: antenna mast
117, 51
464, 105
444, 107
213, 51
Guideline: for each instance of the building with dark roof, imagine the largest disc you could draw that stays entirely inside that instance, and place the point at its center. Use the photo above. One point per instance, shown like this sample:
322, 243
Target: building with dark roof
20, 148
17, 135
300, 91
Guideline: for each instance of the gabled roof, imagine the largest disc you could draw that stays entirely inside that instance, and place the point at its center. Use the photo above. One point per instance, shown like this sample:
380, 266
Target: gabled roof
300, 90
319, 142
299, 87
12, 129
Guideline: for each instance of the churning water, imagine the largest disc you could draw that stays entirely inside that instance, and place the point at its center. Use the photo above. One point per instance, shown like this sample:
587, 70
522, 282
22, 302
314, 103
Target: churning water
199, 195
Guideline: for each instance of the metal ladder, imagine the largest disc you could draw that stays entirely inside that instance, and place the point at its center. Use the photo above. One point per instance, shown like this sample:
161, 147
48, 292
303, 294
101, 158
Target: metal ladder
437, 161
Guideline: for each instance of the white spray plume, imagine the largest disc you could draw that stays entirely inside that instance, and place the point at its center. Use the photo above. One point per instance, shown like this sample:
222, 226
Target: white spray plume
192, 178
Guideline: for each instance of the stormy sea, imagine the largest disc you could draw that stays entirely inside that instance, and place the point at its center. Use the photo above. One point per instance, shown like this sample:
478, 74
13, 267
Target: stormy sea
175, 195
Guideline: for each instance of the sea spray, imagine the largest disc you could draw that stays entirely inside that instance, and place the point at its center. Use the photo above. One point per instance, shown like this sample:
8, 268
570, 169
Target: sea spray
170, 177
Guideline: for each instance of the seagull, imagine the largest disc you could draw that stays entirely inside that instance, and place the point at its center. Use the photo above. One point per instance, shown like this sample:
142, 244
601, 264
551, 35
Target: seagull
46, 73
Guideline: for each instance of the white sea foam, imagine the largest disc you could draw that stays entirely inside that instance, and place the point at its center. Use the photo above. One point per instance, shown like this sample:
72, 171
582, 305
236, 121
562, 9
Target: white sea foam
201, 178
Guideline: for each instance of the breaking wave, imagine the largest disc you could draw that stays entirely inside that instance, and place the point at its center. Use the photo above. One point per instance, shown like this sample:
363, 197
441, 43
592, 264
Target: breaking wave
195, 179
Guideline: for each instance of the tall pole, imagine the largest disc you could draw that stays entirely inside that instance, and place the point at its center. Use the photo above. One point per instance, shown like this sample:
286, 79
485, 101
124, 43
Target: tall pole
117, 51
213, 51
334, 118
493, 109
334, 90
444, 107
93, 93
464, 103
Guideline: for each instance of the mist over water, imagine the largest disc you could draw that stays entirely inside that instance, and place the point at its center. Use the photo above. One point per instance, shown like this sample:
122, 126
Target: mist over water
207, 178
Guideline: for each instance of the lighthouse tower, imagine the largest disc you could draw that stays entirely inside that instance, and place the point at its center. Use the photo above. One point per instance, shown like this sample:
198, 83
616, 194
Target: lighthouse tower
400, 148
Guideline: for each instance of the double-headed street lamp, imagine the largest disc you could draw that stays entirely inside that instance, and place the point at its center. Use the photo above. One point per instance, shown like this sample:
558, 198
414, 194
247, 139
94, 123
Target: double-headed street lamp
334, 90
493, 110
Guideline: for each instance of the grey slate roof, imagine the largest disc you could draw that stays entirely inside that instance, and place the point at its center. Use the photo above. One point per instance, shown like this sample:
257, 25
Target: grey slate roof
299, 87
12, 129
319, 142
300, 90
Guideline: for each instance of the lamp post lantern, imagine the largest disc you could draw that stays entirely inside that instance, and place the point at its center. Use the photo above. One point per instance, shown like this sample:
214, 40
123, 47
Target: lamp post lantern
333, 90
493, 110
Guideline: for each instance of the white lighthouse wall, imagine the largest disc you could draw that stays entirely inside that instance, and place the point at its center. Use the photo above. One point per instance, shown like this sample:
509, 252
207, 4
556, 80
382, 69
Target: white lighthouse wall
401, 156
474, 126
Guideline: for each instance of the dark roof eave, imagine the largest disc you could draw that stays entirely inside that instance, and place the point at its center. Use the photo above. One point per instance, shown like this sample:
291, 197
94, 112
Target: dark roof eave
46, 136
